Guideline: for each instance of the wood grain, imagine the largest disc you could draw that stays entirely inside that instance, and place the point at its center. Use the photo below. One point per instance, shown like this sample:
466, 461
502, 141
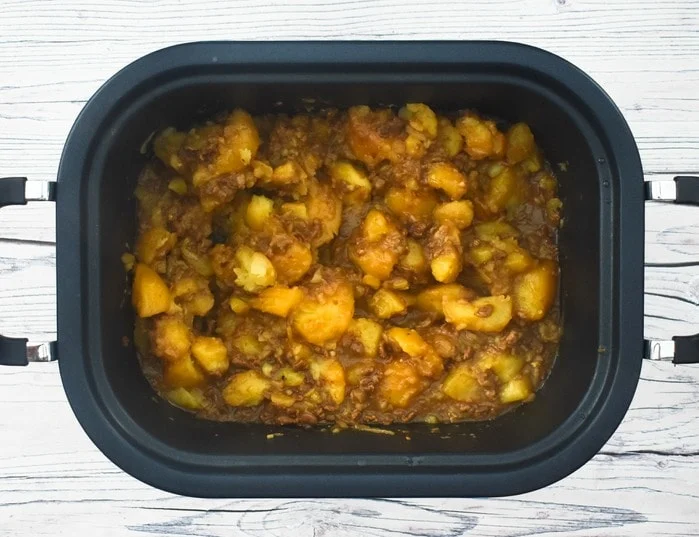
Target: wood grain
55, 53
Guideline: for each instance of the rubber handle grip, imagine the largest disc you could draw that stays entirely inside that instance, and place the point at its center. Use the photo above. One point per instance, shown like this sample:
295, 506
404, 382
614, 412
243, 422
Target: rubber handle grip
686, 349
687, 190
12, 191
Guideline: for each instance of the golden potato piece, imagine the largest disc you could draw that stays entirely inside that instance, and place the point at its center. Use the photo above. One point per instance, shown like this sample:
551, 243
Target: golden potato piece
210, 353
407, 204
192, 399
535, 291
462, 385
378, 245
150, 295
421, 118
255, 271
517, 389
445, 176
325, 207
414, 259
520, 143
486, 314
449, 138
325, 312
236, 148
426, 360
183, 373
504, 365
248, 345
445, 253
238, 305
290, 378
459, 213
259, 212
399, 385
482, 137
278, 300
154, 243
374, 135
292, 260
368, 333
282, 400
172, 338
386, 304
352, 180
331, 376
432, 298
246, 389
505, 190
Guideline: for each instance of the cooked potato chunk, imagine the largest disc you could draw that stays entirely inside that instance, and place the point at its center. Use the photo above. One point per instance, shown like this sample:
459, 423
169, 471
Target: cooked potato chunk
150, 295
449, 138
400, 384
183, 373
520, 143
374, 136
482, 137
386, 304
154, 243
193, 399
445, 252
426, 360
351, 180
459, 213
414, 259
421, 118
254, 271
326, 311
535, 291
432, 298
378, 245
331, 374
445, 176
246, 389
210, 353
238, 305
368, 333
324, 207
278, 300
291, 258
487, 314
259, 212
505, 190
515, 390
172, 338
505, 366
410, 205
462, 384
236, 148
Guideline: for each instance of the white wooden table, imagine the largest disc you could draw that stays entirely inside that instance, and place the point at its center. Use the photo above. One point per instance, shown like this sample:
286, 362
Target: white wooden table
55, 54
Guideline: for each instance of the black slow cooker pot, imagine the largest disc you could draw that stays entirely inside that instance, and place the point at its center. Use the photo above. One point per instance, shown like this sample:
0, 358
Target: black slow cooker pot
601, 248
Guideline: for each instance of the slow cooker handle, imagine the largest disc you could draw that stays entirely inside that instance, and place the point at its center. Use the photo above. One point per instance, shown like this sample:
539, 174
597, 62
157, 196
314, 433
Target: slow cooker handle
683, 190
17, 191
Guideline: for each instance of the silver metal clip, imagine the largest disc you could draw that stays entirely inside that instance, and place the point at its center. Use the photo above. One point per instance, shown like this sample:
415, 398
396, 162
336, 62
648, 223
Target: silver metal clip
661, 190
41, 352
40, 190
659, 349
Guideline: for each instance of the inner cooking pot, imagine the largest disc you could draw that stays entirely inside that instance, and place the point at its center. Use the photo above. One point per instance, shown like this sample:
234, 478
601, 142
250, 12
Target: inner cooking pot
601, 253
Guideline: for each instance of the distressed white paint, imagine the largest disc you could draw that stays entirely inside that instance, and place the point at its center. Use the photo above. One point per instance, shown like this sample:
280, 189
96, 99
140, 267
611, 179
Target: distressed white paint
55, 54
